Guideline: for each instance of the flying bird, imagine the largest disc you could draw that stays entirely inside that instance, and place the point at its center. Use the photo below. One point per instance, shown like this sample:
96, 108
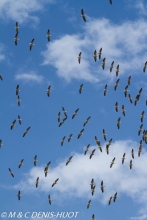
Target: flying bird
49, 199
46, 171
112, 162
95, 56
102, 186
104, 134
69, 160
142, 116
80, 133
145, 66
79, 57
140, 129
18, 100
126, 90
140, 91
35, 160
37, 182
10, 171
16, 27
26, 131
19, 119
88, 204
123, 158
110, 200
13, 124
130, 98
16, 39
116, 106
140, 145
118, 123
64, 112
115, 197
93, 217
92, 153
123, 110
131, 164
98, 143
103, 63
55, 182
86, 121
48, 91
70, 137
83, 15
129, 80
80, 88
110, 2
75, 113
132, 153
59, 116
116, 84
21, 163
100, 53
136, 99
111, 67
62, 122
105, 90
92, 183
62, 141
107, 148
139, 151
48, 35
31, 44
108, 145
19, 195
117, 70
93, 190
110, 141
86, 150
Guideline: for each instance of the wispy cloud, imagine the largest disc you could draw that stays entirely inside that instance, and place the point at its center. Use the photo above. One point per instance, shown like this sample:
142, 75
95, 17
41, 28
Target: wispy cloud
21, 11
141, 7
29, 77
119, 178
129, 54
2, 56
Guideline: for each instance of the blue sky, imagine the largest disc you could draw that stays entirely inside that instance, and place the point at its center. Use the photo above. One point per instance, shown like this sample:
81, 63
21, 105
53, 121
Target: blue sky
120, 29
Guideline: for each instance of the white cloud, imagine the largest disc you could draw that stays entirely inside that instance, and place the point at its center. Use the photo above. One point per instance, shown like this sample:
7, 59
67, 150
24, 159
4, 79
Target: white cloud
117, 44
21, 11
29, 77
119, 178
63, 55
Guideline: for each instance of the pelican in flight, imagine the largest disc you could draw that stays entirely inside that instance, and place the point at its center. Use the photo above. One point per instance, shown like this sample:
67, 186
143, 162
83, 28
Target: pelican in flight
100, 53
19, 195
55, 182
32, 44
16, 27
26, 131
83, 15
79, 57
48, 35
80, 88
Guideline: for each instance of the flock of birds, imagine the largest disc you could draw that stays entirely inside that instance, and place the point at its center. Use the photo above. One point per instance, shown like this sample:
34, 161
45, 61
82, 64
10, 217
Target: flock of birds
48, 91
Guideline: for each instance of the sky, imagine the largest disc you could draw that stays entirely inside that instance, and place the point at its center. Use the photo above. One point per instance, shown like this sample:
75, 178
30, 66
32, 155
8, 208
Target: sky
120, 30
